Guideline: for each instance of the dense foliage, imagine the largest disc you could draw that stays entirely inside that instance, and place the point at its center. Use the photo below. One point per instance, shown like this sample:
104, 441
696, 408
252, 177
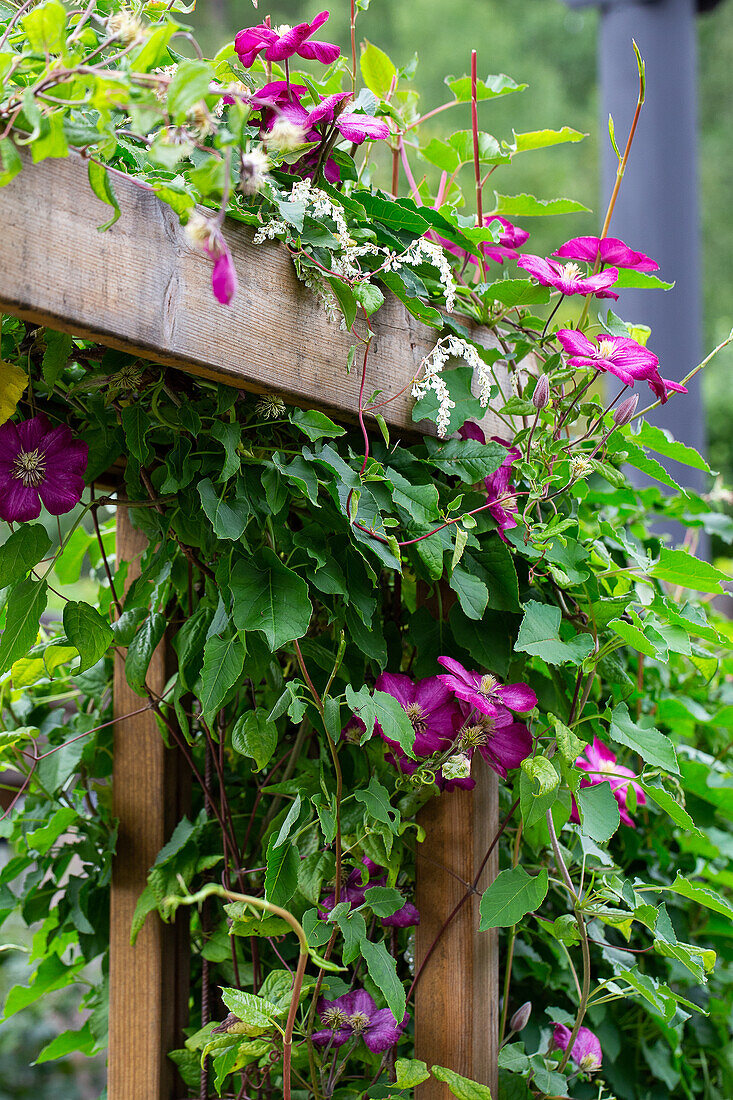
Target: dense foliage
359, 619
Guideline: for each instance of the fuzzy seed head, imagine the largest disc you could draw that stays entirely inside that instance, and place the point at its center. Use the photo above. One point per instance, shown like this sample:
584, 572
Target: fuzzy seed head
125, 26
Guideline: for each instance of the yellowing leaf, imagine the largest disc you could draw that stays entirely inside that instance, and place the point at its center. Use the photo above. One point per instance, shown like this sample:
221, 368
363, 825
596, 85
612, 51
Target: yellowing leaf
13, 382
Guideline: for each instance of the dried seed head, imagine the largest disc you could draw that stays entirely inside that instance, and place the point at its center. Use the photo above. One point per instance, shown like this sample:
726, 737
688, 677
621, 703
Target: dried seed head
125, 26
285, 136
254, 169
625, 411
520, 1019
580, 466
200, 231
541, 395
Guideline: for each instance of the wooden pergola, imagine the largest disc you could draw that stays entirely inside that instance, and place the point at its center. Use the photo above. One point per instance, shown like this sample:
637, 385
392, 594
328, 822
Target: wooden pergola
141, 287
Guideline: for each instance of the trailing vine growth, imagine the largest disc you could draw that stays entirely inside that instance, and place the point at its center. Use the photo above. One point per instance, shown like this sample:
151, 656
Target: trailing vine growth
358, 617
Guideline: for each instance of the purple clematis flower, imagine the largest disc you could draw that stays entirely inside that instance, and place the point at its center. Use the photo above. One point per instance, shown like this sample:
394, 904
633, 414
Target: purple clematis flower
609, 250
663, 387
281, 43
354, 1015
503, 742
352, 126
586, 1052
354, 892
429, 705
568, 278
39, 464
619, 355
510, 239
484, 692
273, 97
601, 765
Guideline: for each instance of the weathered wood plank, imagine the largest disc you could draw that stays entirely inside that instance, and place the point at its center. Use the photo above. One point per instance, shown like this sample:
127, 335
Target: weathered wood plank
140, 286
148, 982
457, 996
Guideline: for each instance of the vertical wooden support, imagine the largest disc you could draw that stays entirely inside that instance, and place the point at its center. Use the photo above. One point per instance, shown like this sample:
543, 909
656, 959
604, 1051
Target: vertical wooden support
148, 982
457, 996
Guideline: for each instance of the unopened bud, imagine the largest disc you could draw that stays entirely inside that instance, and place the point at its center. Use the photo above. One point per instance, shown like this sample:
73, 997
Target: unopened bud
541, 395
625, 411
520, 1019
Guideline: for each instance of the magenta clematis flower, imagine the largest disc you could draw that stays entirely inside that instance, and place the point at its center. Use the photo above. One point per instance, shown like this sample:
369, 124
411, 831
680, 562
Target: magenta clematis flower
503, 742
484, 692
609, 250
568, 278
206, 235
429, 705
354, 892
619, 355
278, 44
510, 239
273, 97
39, 464
600, 764
586, 1052
354, 1015
663, 387
352, 126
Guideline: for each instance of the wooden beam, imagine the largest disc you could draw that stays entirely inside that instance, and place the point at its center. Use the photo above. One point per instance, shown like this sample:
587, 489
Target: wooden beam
457, 995
148, 982
141, 287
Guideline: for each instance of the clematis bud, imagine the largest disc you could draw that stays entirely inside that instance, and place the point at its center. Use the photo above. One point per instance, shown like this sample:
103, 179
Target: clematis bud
520, 1019
625, 411
541, 395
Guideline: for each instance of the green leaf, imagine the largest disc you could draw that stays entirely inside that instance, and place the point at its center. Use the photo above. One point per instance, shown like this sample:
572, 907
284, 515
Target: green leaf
679, 567
541, 139
345, 298
661, 441
45, 26
462, 1087
315, 424
515, 292
394, 721
222, 667
535, 801
141, 649
26, 605
56, 356
377, 69
382, 970
410, 1073
88, 632
527, 206
101, 185
539, 635
281, 877
375, 798
471, 591
638, 640
255, 736
467, 459
489, 88
40, 840
640, 280
702, 896
270, 597
68, 1042
401, 215
671, 805
10, 162
228, 518
511, 895
598, 810
136, 425
569, 745
369, 297
256, 1013
28, 545
189, 86
652, 746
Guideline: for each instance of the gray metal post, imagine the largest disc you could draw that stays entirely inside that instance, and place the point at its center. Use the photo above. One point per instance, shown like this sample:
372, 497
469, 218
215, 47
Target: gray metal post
657, 211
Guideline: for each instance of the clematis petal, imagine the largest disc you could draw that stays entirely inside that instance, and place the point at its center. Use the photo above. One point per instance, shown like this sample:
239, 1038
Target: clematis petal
383, 1031
358, 128
508, 746
406, 917
20, 503
398, 685
61, 491
336, 1038
224, 281
518, 697
325, 52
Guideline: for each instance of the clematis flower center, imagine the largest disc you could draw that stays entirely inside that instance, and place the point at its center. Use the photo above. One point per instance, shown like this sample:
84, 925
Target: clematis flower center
605, 349
359, 1021
572, 271
488, 685
30, 468
417, 716
334, 1018
473, 736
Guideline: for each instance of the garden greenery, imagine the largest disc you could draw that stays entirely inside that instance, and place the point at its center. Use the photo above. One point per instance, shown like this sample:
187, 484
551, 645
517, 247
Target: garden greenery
355, 616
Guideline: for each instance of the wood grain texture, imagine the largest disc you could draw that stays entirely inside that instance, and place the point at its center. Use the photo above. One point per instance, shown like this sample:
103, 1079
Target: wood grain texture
457, 996
140, 286
148, 982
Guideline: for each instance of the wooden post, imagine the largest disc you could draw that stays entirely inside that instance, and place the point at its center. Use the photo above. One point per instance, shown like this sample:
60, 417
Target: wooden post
457, 996
148, 982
